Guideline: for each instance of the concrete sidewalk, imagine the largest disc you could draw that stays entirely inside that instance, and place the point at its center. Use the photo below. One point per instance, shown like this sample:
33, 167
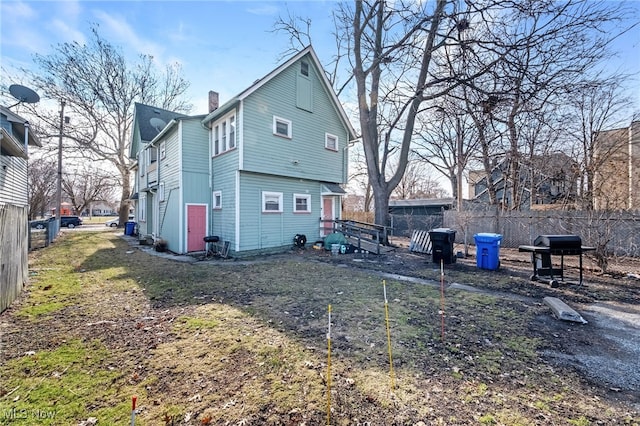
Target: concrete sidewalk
135, 243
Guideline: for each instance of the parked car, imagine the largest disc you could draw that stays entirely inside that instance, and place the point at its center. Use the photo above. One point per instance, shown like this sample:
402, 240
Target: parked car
114, 223
41, 223
70, 221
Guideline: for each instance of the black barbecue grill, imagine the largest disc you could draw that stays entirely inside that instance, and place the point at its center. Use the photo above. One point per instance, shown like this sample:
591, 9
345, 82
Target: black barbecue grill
546, 246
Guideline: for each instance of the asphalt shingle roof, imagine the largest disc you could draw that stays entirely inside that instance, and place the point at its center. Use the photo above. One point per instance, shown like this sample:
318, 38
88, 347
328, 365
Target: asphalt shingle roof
151, 120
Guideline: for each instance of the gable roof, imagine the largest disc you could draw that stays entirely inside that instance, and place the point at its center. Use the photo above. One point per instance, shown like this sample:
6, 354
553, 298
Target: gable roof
172, 123
151, 120
261, 82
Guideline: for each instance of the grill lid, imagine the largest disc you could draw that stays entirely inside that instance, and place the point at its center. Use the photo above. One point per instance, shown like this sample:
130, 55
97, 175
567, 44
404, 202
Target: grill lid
558, 241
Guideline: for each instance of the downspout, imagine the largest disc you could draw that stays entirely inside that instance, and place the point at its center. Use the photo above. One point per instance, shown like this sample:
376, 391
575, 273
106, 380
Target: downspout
26, 138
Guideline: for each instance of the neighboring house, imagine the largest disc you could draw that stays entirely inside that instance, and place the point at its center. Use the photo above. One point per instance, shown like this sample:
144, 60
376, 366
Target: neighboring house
549, 180
255, 171
101, 208
15, 139
149, 125
617, 171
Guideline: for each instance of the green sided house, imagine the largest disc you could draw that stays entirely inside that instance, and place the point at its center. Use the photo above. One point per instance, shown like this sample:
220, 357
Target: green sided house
256, 171
171, 172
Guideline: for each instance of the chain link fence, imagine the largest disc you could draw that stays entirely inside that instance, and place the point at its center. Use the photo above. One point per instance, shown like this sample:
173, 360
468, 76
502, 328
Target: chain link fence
403, 225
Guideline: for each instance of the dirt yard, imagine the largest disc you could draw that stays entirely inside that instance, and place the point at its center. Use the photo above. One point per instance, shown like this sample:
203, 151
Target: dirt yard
605, 351
243, 342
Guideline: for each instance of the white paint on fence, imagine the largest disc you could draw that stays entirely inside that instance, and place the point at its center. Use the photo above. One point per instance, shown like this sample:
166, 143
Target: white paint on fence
420, 242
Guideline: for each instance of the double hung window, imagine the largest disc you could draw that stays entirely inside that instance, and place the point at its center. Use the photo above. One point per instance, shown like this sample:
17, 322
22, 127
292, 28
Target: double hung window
224, 135
271, 202
301, 203
282, 127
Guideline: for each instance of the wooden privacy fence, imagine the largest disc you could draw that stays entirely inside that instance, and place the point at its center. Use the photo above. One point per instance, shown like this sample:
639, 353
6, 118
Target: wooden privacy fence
616, 232
14, 257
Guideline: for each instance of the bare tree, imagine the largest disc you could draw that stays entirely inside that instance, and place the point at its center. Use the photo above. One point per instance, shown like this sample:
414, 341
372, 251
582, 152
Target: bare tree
393, 62
86, 186
447, 141
516, 58
599, 108
99, 89
41, 174
417, 183
375, 48
358, 177
553, 45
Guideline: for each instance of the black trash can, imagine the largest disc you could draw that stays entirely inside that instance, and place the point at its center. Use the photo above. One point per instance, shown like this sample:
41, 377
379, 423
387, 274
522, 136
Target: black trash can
442, 245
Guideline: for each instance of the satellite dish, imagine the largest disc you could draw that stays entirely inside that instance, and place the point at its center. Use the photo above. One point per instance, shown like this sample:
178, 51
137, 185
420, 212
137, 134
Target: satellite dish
157, 123
23, 94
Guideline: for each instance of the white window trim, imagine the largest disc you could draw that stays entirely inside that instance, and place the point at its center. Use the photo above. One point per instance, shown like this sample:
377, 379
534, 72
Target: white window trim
326, 141
150, 150
222, 131
307, 197
285, 121
161, 191
142, 213
266, 194
224, 135
215, 205
216, 140
232, 126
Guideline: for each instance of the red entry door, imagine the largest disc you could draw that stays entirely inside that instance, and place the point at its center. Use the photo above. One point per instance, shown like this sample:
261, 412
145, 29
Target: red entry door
196, 227
326, 225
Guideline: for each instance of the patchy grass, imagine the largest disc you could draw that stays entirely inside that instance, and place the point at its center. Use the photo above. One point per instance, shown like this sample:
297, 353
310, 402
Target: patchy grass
52, 387
55, 281
238, 343
256, 366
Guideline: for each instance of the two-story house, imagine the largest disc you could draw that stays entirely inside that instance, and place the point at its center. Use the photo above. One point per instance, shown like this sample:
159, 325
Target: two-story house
15, 139
545, 181
150, 125
617, 171
256, 171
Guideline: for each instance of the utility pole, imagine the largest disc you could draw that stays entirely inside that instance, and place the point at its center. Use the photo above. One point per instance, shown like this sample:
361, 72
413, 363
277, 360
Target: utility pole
59, 183
459, 154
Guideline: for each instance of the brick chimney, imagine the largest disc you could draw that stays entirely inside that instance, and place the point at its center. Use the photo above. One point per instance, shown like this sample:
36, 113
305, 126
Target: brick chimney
213, 101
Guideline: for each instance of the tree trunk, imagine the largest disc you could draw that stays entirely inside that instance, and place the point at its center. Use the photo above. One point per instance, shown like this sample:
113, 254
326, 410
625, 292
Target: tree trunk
125, 197
381, 200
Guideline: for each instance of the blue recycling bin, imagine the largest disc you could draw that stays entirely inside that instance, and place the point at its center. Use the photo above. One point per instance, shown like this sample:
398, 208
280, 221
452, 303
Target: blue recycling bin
488, 250
129, 228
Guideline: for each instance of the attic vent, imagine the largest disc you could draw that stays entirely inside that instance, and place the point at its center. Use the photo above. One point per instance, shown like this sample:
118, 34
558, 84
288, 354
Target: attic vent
304, 68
